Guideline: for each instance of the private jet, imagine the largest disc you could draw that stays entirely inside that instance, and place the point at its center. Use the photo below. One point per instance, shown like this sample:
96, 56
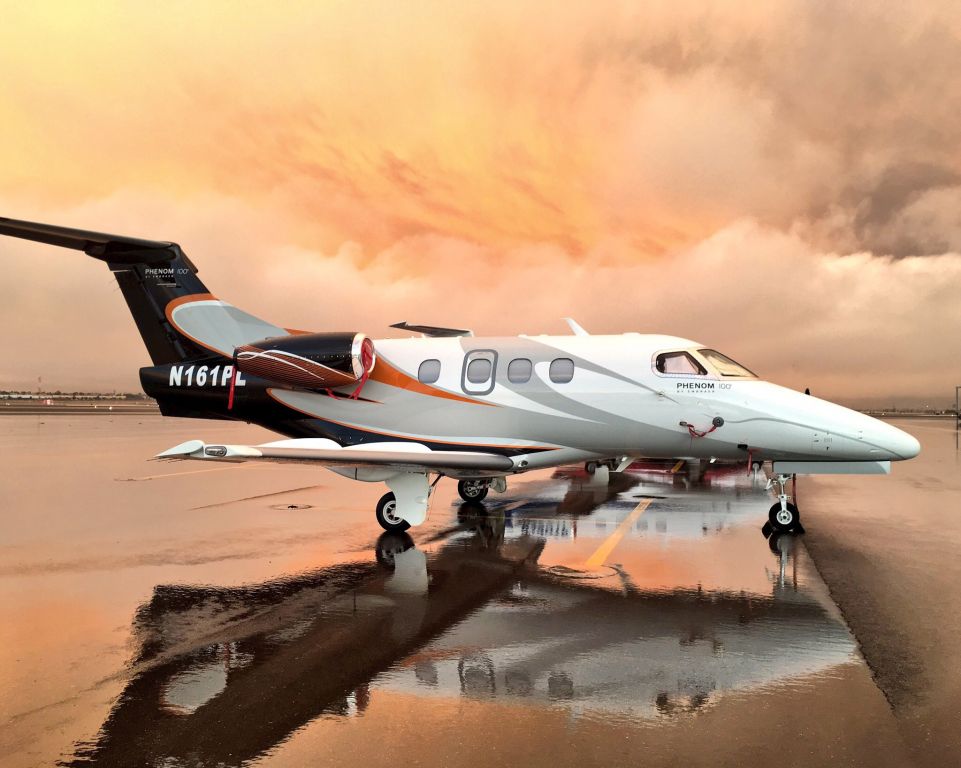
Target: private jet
445, 403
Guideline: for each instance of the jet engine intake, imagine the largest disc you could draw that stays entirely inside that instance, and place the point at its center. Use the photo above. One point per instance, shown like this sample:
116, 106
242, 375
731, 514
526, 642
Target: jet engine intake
309, 360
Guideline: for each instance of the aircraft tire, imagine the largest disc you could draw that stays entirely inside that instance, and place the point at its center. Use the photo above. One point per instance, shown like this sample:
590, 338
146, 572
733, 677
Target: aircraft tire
386, 517
472, 490
389, 545
774, 542
784, 521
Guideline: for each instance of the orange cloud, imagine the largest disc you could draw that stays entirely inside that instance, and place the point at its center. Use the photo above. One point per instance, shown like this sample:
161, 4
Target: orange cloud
583, 158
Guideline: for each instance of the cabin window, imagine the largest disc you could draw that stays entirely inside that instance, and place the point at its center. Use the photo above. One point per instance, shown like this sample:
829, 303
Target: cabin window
678, 364
561, 370
429, 371
478, 375
725, 365
519, 371
478, 371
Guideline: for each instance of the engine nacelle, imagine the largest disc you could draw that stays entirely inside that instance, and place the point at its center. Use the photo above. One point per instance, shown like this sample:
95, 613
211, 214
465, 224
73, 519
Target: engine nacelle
309, 360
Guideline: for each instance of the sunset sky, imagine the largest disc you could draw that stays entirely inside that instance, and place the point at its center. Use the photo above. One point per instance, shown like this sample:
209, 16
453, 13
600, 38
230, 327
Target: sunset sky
780, 182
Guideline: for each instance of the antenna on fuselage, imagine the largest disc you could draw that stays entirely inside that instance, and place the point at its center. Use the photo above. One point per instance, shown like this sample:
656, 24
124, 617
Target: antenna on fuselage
576, 327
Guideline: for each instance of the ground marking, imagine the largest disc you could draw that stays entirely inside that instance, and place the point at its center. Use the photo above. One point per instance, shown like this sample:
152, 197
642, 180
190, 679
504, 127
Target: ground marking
614, 539
181, 474
258, 496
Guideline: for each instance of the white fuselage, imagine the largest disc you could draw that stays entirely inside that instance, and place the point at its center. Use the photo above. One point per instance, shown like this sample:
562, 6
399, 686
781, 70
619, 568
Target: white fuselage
612, 401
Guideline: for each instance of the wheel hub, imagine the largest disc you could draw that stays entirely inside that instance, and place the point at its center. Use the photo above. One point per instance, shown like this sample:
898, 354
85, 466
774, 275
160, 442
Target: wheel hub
390, 514
784, 517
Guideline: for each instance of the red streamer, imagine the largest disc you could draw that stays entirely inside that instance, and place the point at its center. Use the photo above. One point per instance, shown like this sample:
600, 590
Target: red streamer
696, 433
233, 384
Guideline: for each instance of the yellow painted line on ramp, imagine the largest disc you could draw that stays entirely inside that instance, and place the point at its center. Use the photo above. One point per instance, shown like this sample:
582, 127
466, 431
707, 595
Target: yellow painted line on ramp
604, 551
677, 467
181, 474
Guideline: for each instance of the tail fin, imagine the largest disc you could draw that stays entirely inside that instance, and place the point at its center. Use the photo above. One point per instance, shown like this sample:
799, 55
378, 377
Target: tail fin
176, 315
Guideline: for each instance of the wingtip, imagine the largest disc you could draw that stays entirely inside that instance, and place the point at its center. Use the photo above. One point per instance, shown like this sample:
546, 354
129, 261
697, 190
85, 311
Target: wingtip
183, 450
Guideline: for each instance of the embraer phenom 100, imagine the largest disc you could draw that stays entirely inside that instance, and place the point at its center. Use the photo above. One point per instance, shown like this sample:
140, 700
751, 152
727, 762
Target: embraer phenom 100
447, 403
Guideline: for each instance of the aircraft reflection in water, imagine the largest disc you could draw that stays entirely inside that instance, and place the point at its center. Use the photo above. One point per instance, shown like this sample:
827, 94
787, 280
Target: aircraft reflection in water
222, 676
557, 509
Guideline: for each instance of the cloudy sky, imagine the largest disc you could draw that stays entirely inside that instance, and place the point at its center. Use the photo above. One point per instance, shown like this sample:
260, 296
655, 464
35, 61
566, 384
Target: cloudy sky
782, 183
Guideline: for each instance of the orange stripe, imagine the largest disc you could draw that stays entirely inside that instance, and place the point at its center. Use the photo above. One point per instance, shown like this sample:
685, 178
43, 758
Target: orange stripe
192, 298
385, 373
188, 299
270, 392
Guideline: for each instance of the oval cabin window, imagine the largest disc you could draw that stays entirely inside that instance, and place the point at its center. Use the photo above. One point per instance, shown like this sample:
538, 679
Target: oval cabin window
562, 370
429, 371
519, 371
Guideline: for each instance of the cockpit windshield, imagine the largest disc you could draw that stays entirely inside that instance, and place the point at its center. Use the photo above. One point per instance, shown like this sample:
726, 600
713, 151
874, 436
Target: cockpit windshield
725, 365
678, 363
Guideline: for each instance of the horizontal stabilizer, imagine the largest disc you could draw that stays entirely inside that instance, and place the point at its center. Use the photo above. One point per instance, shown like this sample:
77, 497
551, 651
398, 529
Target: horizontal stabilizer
116, 249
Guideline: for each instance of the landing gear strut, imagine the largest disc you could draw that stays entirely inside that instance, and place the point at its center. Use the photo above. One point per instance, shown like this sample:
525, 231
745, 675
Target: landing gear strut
473, 490
784, 517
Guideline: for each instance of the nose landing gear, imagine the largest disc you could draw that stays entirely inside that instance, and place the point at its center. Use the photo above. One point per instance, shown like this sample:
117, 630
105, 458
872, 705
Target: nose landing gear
784, 517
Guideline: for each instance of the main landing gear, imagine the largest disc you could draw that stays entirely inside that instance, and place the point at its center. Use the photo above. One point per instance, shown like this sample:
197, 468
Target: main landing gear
407, 502
406, 505
473, 490
387, 515
783, 516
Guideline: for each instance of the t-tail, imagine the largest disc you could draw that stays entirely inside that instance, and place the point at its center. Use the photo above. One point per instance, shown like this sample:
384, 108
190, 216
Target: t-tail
180, 321
177, 316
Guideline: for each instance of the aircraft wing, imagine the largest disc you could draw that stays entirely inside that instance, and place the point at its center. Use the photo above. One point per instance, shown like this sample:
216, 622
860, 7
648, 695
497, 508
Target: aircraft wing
402, 456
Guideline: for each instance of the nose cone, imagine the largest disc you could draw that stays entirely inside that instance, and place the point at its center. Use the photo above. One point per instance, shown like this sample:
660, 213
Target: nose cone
900, 443
887, 442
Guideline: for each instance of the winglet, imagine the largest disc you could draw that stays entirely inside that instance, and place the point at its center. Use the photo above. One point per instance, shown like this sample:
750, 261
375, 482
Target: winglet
198, 449
576, 327
183, 450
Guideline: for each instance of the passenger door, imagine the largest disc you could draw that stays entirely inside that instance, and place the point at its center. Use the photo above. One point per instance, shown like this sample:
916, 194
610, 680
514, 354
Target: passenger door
480, 365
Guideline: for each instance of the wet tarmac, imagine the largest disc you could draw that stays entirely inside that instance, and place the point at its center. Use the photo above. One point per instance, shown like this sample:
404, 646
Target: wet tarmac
890, 552
174, 615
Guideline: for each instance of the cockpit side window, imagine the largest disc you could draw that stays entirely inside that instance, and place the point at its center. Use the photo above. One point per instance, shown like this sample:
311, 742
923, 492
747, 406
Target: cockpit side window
678, 364
725, 365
